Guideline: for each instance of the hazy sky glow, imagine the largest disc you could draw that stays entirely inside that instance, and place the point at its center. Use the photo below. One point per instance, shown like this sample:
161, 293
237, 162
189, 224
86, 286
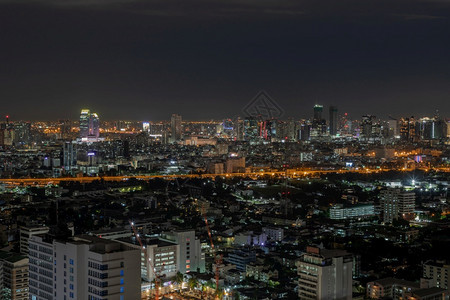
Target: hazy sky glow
145, 60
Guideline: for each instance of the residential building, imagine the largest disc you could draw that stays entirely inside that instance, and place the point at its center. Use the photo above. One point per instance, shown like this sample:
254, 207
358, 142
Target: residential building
83, 267
325, 274
191, 256
26, 232
13, 276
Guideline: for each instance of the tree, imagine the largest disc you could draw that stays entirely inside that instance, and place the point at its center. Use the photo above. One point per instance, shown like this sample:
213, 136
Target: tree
192, 283
179, 278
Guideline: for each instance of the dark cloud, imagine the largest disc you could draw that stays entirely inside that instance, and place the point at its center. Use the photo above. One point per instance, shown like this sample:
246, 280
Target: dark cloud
206, 59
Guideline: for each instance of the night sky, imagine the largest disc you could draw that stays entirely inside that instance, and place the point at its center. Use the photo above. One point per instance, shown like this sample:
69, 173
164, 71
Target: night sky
145, 60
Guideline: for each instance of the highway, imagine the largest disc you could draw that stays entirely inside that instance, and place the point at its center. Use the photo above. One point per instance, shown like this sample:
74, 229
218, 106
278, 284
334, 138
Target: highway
292, 173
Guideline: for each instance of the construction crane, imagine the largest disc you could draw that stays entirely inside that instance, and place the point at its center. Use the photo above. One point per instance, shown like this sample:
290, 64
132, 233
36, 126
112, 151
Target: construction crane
157, 273
217, 258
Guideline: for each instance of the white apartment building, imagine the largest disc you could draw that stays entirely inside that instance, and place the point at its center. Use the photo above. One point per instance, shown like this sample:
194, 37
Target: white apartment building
325, 274
191, 256
395, 202
26, 233
437, 274
274, 233
83, 267
340, 212
163, 255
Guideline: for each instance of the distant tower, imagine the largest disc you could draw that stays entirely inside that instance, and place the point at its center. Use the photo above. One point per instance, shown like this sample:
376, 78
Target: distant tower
94, 126
318, 109
333, 120
176, 127
319, 125
84, 123
89, 125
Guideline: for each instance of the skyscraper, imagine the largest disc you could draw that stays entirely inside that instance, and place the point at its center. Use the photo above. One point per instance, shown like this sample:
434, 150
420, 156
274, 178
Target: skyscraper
319, 125
84, 123
333, 120
176, 127
89, 125
318, 109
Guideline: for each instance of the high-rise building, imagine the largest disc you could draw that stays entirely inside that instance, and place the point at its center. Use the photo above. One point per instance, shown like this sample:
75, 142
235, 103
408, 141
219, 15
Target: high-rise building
238, 129
437, 274
407, 129
84, 122
251, 129
191, 256
319, 125
13, 276
333, 120
69, 156
83, 267
325, 274
176, 127
318, 109
26, 232
164, 255
89, 125
395, 203
94, 126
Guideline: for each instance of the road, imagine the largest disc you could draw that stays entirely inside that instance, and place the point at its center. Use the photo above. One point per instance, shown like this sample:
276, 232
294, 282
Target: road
290, 173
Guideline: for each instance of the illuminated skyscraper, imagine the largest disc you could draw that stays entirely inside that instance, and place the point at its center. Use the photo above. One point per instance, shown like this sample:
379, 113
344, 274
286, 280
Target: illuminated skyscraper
94, 126
176, 127
89, 125
84, 123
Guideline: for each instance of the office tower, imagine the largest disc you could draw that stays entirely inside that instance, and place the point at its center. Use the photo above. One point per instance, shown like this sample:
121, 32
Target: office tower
89, 125
238, 129
83, 267
325, 274
191, 256
94, 126
319, 125
176, 127
84, 123
145, 127
407, 129
26, 232
69, 156
305, 131
318, 109
432, 128
370, 128
436, 273
251, 130
395, 202
13, 276
333, 120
